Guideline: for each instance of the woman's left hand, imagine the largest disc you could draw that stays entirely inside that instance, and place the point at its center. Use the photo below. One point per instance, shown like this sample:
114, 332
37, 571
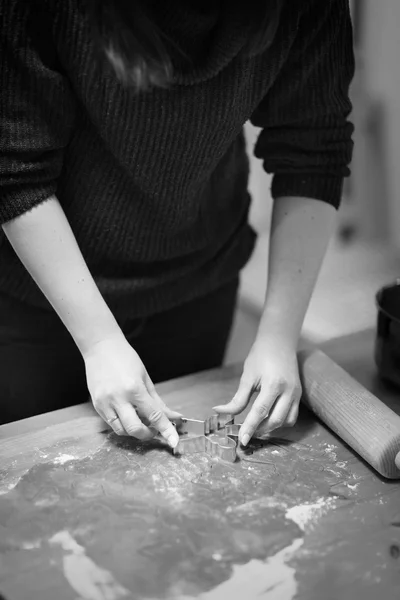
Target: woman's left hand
271, 369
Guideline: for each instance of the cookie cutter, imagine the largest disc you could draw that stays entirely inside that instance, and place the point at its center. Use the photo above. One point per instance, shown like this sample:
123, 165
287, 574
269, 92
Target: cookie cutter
216, 435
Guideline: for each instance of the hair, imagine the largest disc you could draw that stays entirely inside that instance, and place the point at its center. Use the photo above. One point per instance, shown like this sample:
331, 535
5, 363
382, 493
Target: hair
126, 34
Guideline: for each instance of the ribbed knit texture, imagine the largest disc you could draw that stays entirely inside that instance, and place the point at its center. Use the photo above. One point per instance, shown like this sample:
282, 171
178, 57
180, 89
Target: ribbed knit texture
155, 185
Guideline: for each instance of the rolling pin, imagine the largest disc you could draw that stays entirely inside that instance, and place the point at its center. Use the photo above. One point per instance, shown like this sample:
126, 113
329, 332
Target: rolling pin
358, 417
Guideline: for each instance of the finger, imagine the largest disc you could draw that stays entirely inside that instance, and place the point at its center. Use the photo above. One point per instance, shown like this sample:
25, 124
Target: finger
112, 419
132, 424
239, 401
171, 414
149, 408
118, 428
259, 412
292, 415
278, 414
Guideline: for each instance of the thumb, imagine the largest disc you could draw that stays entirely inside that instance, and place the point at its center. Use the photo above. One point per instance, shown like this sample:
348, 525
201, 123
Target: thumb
239, 401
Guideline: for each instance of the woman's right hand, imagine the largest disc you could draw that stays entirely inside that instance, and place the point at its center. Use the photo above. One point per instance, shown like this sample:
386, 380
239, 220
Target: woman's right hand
123, 393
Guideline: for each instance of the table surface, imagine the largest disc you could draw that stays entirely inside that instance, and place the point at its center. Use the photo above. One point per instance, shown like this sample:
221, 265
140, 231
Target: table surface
87, 515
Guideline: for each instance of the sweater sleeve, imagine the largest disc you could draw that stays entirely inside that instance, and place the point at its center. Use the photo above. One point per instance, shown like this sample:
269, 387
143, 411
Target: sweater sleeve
306, 138
36, 108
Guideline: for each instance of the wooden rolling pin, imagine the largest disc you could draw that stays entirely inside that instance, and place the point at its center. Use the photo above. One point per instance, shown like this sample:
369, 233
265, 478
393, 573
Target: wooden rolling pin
358, 417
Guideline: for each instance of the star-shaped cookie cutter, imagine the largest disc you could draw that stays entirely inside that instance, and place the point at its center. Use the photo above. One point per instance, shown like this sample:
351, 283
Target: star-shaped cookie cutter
217, 436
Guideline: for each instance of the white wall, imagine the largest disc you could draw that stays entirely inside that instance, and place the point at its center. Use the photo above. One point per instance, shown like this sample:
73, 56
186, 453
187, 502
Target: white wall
381, 51
259, 185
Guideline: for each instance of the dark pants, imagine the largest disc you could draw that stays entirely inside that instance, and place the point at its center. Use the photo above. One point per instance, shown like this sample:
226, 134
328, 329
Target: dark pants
41, 369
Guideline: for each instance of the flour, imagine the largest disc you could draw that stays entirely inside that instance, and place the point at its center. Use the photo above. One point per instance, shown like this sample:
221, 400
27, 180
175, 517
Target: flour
273, 579
302, 514
88, 580
173, 492
61, 459
234, 481
330, 449
31, 545
9, 487
217, 556
253, 506
353, 486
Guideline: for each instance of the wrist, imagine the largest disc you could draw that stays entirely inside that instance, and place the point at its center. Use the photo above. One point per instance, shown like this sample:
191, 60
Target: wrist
281, 330
105, 346
97, 331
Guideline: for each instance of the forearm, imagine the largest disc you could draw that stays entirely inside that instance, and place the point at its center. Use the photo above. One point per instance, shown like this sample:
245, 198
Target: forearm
46, 245
300, 232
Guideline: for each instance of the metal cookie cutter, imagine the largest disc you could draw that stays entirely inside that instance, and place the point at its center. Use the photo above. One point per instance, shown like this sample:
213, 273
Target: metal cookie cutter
212, 435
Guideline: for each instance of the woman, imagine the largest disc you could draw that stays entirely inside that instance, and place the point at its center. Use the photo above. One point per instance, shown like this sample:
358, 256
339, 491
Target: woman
124, 196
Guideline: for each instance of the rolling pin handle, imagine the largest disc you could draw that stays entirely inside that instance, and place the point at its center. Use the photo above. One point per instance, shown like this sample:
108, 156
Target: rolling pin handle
351, 411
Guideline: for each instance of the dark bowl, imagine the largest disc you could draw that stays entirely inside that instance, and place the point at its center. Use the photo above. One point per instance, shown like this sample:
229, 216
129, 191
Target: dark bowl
387, 342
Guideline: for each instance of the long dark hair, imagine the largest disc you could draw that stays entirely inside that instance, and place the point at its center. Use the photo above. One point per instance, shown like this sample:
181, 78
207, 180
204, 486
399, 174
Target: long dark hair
126, 33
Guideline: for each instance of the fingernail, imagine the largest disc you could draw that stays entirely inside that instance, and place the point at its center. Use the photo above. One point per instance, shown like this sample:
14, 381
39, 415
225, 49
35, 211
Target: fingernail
173, 440
245, 439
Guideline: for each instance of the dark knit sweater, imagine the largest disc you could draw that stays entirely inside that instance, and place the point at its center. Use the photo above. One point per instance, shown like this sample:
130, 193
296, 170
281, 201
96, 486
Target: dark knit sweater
155, 185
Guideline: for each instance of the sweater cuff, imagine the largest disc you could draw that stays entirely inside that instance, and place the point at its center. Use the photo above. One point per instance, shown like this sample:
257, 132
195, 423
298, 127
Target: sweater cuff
327, 188
22, 199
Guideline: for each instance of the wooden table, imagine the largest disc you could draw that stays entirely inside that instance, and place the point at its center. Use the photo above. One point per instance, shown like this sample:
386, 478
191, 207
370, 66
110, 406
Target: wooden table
87, 515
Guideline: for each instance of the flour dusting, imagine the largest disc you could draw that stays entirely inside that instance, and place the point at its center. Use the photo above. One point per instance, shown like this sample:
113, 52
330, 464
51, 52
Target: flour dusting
330, 450
61, 459
273, 579
173, 492
303, 514
217, 556
88, 580
9, 487
352, 486
253, 506
31, 545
